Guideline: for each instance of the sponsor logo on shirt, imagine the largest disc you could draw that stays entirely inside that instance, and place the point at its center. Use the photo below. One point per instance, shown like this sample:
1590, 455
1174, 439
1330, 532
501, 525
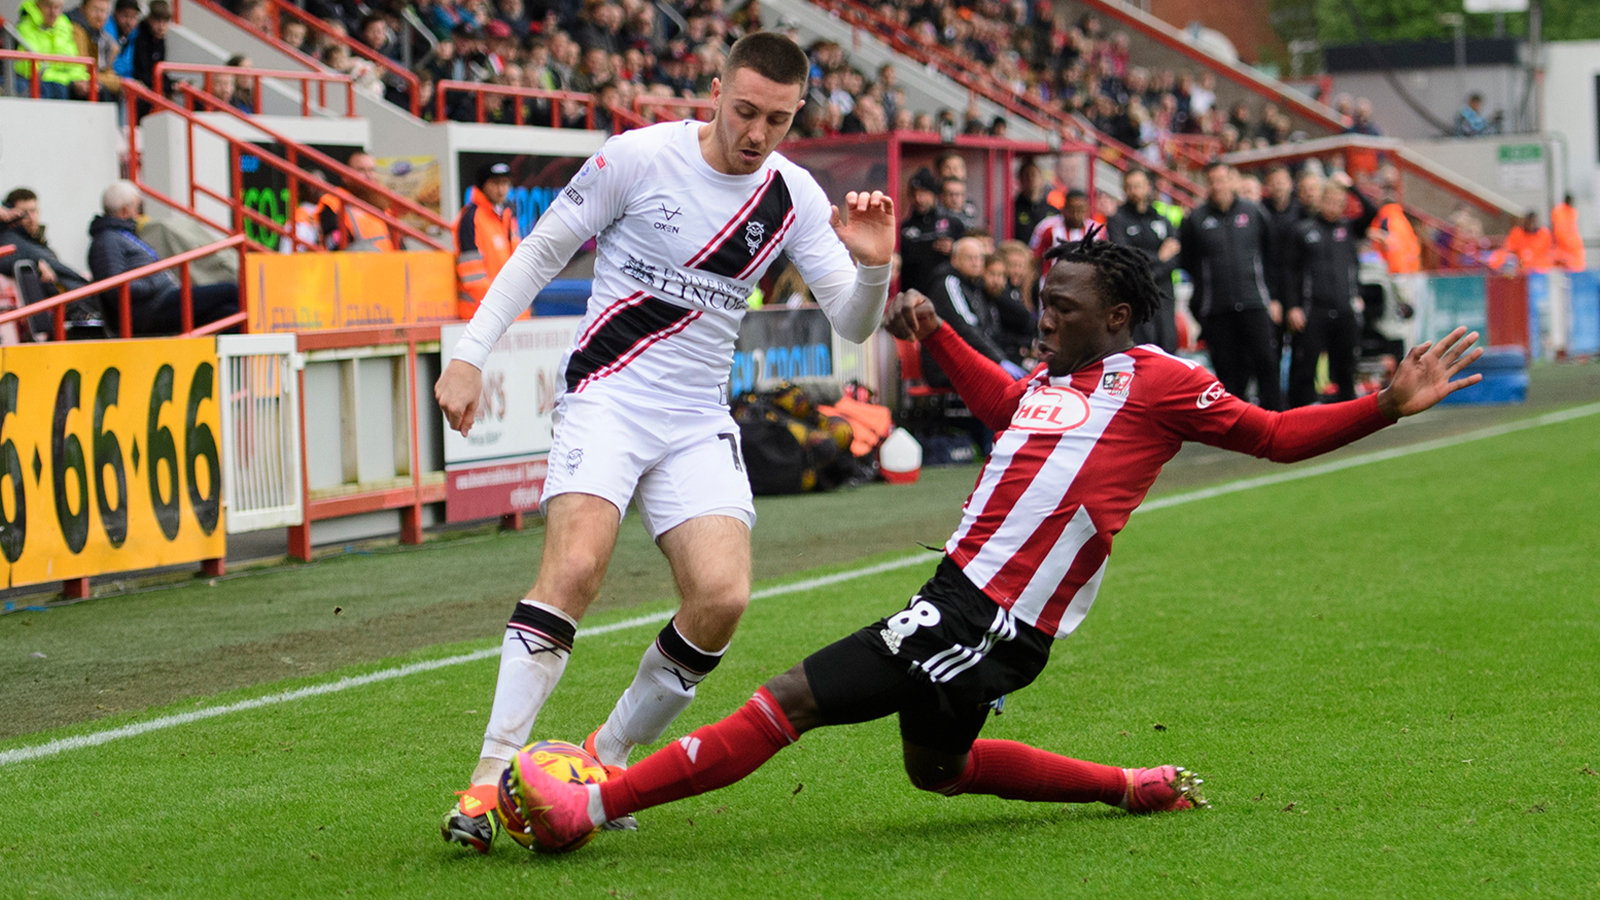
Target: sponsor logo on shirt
1116, 384
697, 290
665, 226
1051, 410
572, 194
589, 171
1210, 395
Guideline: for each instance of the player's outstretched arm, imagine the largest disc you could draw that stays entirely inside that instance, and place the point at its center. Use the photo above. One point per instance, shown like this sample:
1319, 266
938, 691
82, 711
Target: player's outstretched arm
986, 389
854, 297
538, 259
1423, 378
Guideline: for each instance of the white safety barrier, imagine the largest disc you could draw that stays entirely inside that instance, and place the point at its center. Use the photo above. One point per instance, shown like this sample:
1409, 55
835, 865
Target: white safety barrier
261, 476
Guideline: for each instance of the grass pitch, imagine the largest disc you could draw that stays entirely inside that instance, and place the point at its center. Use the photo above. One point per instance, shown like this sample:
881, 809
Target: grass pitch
1387, 675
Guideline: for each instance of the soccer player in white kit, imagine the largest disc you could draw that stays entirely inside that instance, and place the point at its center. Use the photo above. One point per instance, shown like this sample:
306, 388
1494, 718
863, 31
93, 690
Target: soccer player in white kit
687, 216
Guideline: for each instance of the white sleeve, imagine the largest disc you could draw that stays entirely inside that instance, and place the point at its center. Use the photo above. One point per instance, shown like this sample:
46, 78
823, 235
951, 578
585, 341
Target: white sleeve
853, 299
852, 296
539, 258
598, 194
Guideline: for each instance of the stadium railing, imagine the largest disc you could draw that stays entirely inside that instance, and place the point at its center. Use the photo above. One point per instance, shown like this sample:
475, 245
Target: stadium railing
306, 79
136, 94
122, 285
414, 488
316, 26
622, 119
669, 109
35, 77
982, 83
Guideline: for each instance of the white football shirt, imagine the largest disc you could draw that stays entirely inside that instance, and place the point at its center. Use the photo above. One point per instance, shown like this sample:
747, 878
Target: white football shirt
680, 246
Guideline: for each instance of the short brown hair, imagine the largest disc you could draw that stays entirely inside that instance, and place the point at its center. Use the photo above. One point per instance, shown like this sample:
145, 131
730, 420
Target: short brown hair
160, 11
772, 56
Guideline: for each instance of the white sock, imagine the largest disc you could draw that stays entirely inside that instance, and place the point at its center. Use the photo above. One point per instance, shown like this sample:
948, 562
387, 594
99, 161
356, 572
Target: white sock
668, 674
533, 655
597, 810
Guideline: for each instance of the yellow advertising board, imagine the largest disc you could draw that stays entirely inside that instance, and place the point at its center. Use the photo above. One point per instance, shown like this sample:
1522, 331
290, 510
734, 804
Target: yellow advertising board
305, 291
108, 457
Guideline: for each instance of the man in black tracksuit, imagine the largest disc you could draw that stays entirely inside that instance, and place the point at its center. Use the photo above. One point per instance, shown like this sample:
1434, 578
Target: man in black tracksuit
926, 235
1225, 242
1323, 262
957, 293
1138, 225
1283, 212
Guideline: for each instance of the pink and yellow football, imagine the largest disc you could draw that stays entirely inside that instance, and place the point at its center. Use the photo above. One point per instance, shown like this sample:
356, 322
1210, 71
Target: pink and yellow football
559, 759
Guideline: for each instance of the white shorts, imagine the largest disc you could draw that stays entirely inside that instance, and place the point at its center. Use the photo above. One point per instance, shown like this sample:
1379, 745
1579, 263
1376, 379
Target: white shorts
676, 454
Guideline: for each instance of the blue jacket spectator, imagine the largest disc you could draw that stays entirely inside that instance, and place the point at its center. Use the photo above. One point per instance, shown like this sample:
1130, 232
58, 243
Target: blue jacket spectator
156, 299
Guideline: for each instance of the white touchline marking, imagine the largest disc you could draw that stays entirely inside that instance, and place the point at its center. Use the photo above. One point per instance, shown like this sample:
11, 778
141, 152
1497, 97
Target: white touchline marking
62, 745
95, 739
1350, 462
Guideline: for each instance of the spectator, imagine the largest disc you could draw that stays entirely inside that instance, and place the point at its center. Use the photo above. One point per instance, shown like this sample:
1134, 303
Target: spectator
92, 37
1323, 296
957, 292
866, 118
1397, 240
20, 227
1250, 188
1308, 189
1068, 225
1470, 121
1137, 224
1225, 242
1531, 247
511, 14
45, 30
150, 44
594, 71
1029, 208
296, 34
602, 29
486, 234
1013, 327
256, 15
347, 226
157, 298
1569, 253
953, 202
124, 22
926, 235
228, 89
1283, 211
1020, 271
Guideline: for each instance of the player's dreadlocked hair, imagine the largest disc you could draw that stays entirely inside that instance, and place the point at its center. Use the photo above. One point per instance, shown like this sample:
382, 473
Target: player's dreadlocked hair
1123, 272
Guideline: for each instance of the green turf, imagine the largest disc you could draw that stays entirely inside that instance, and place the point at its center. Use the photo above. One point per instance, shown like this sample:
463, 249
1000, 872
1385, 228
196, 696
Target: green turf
1388, 676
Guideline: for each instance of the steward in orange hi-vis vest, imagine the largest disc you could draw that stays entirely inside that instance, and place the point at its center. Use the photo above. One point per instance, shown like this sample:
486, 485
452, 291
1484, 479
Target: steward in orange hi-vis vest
1569, 243
1401, 249
486, 236
345, 226
1532, 246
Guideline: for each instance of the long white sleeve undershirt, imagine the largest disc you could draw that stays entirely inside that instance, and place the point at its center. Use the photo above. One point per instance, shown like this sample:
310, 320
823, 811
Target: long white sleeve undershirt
853, 299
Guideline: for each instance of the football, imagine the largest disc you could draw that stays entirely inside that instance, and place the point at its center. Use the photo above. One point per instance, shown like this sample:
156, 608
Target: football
562, 760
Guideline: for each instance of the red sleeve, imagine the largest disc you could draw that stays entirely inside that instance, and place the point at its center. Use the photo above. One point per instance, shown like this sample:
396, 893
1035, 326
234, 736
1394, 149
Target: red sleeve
1305, 432
984, 387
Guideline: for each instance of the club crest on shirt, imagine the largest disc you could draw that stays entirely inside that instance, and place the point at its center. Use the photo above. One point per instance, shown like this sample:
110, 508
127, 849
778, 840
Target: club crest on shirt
1051, 410
1210, 395
754, 233
1116, 384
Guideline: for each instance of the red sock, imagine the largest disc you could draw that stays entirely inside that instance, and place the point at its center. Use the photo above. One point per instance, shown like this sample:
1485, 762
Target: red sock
1019, 772
708, 758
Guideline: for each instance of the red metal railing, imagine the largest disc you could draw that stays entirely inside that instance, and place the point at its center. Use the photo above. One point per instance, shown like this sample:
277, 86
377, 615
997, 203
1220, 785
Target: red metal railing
408, 499
982, 83
316, 26
557, 100
398, 204
136, 94
35, 78
671, 109
122, 284
306, 79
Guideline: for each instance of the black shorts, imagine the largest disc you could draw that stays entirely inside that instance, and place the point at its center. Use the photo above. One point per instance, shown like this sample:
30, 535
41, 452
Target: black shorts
939, 663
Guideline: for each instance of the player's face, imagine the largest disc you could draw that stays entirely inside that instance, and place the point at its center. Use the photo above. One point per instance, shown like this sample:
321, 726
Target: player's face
1075, 326
753, 115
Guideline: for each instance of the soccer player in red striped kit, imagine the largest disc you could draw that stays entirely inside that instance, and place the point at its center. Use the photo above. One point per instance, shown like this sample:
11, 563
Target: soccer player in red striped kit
1080, 442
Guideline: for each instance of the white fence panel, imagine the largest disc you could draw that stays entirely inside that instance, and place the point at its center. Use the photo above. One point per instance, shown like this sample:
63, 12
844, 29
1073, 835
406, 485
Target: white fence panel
261, 477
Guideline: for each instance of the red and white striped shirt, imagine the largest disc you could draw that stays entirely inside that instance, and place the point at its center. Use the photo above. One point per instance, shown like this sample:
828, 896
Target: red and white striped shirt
1077, 454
